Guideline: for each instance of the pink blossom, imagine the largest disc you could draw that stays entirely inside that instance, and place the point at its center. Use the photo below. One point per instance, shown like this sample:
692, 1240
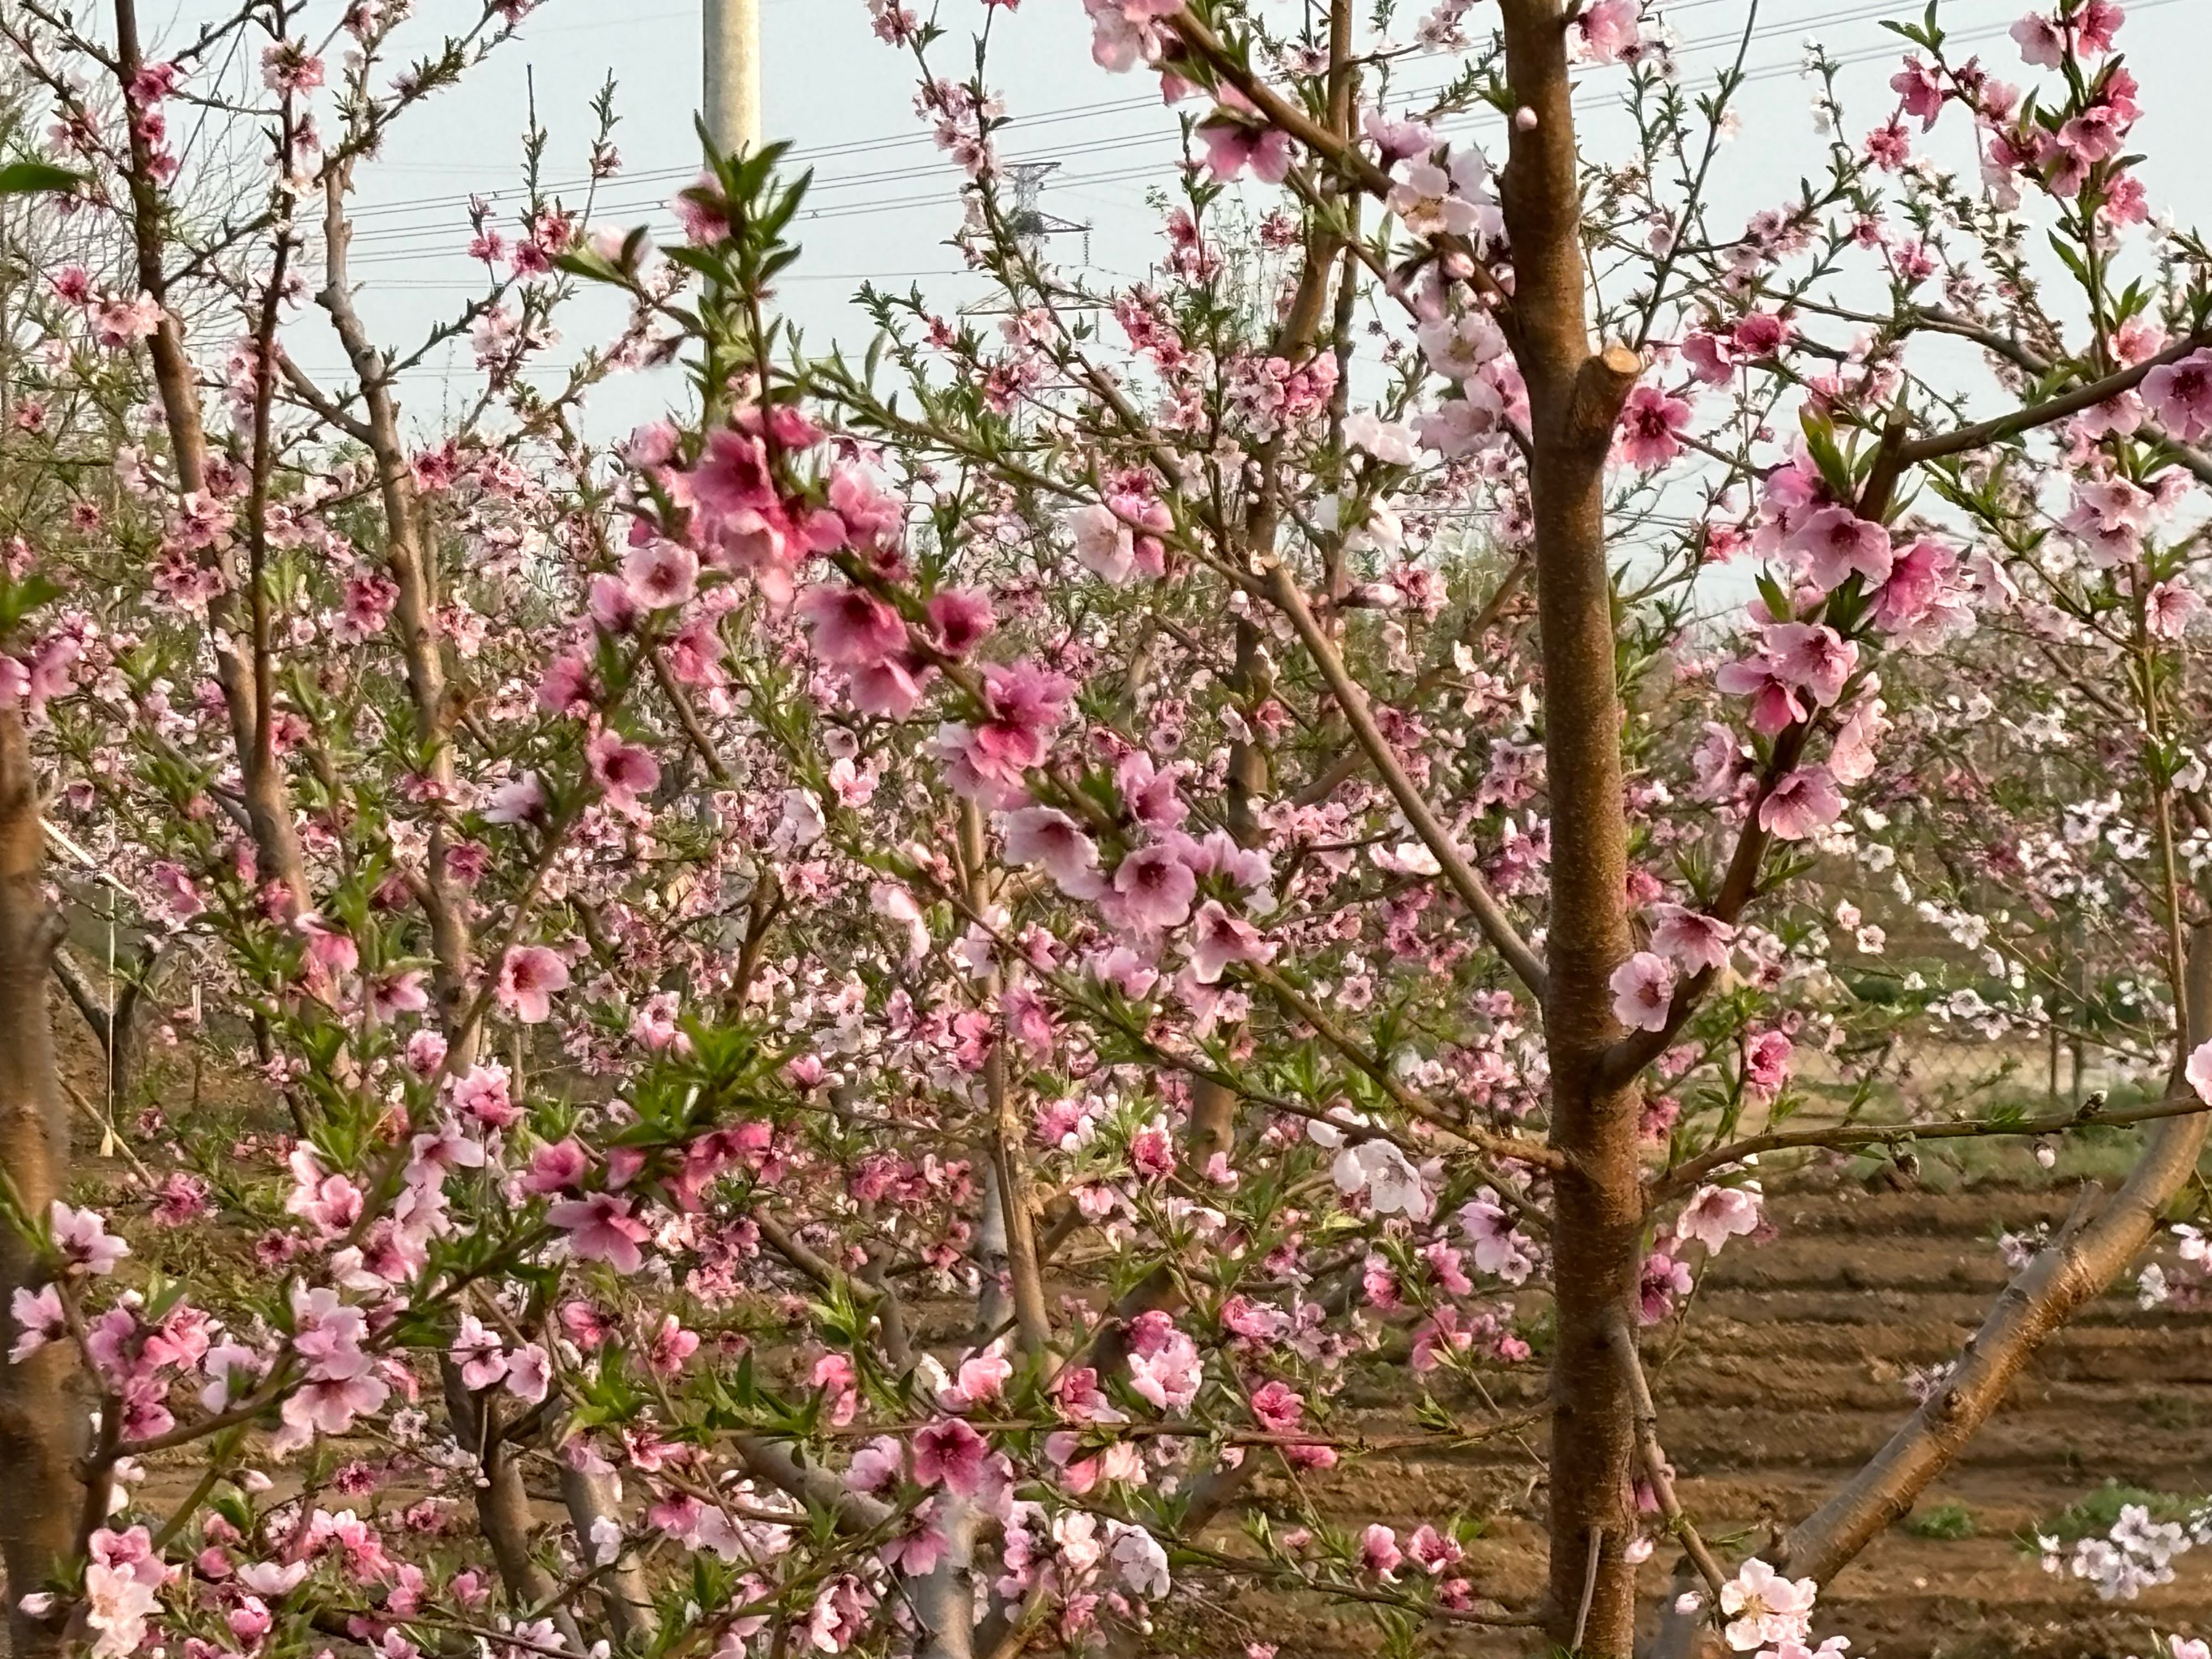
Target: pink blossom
1126, 31
1692, 940
1651, 425
961, 620
81, 1240
1851, 756
1919, 91
1813, 656
289, 67
2040, 41
1102, 542
557, 1167
1276, 1406
1151, 1151
120, 1582
1045, 836
530, 976
1155, 888
568, 686
1378, 1550
529, 1373
329, 1405
1390, 442
2199, 1071
1662, 1281
328, 949
1438, 1337
1500, 1250
625, 770
872, 519
1712, 357
1917, 578
2096, 23
852, 628
1838, 544
1234, 143
1765, 1609
732, 477
1423, 196
1376, 1168
2171, 607
521, 800
661, 575
1433, 1550
1767, 1062
601, 1227
119, 324
330, 1203
391, 996
951, 1454
1643, 991
481, 1092
1774, 704
839, 1614
1218, 938
1164, 1362
891, 689
1714, 1215
179, 896
272, 1579
1804, 801
1024, 706
1759, 334
982, 1378
39, 1320
479, 1354
1610, 30
2180, 396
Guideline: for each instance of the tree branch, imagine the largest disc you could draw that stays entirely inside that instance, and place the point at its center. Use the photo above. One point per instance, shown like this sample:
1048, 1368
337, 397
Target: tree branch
2089, 1253
2032, 416
1474, 892
1498, 1145
1655, 1467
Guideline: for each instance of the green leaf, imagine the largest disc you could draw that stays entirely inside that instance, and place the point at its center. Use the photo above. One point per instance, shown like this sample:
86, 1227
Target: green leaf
36, 178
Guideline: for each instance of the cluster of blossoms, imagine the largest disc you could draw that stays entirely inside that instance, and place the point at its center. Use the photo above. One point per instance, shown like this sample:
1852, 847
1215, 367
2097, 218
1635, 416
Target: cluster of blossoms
2136, 1555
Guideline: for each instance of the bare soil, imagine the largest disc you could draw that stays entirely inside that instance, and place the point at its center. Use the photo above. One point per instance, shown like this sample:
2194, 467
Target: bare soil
1793, 1372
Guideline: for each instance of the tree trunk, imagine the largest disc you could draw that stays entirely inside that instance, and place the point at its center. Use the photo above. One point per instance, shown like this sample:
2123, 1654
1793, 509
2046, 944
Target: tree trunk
41, 1427
590, 1499
1575, 397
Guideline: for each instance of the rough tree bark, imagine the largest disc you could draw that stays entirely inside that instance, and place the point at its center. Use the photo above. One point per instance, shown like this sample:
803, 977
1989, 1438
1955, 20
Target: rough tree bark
1575, 396
112, 1017
41, 1425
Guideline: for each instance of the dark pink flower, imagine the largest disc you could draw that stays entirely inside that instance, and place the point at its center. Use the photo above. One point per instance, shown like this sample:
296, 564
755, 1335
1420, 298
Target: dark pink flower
1652, 426
951, 1454
851, 626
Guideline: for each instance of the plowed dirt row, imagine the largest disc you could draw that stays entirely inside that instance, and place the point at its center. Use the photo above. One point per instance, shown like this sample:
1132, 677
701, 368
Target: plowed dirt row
1795, 1369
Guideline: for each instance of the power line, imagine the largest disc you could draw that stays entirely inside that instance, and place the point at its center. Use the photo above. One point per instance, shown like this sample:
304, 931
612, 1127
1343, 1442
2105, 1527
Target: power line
413, 246
1083, 111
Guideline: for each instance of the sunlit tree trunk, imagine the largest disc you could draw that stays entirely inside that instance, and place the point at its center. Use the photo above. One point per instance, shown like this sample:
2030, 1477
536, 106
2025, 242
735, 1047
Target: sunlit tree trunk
1575, 397
41, 1428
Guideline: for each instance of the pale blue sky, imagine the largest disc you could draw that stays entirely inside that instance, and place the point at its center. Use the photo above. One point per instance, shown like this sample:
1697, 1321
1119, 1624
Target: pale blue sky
886, 198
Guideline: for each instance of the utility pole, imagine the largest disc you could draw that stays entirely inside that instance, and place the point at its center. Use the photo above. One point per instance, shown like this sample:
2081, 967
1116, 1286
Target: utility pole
733, 102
